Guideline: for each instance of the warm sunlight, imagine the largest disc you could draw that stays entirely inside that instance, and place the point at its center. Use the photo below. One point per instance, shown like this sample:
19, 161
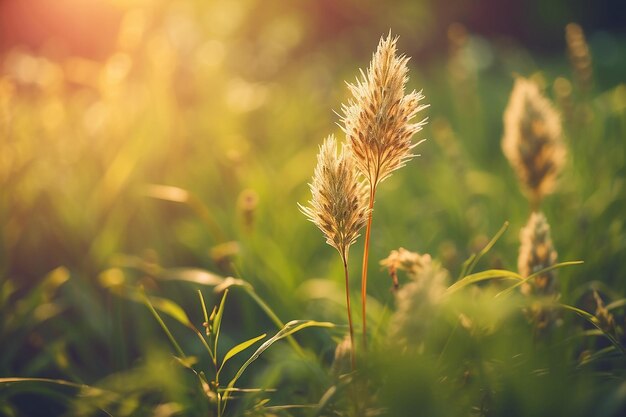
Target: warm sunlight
312, 208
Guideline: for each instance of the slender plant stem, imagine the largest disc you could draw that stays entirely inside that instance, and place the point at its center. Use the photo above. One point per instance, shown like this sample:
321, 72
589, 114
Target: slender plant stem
221, 405
366, 251
352, 347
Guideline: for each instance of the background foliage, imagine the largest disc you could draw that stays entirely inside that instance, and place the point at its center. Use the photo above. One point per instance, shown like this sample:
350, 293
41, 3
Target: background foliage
157, 135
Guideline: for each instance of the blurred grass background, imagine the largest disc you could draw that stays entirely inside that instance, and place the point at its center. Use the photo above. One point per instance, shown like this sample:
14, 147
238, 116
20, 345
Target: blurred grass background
183, 133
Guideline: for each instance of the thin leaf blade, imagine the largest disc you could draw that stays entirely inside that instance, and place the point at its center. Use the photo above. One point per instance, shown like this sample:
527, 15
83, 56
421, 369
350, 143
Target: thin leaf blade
241, 347
483, 276
289, 329
217, 321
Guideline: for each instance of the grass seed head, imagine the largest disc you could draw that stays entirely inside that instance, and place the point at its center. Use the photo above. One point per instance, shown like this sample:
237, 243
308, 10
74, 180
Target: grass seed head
339, 205
406, 260
417, 300
579, 56
605, 318
536, 253
532, 139
377, 119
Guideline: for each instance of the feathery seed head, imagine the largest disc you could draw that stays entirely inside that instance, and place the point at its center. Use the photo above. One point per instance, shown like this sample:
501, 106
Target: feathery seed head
418, 299
536, 253
406, 260
604, 316
338, 206
532, 139
579, 55
377, 118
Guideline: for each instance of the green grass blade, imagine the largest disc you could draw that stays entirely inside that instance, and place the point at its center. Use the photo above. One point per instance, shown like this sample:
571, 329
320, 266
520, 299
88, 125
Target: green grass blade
596, 323
203, 304
171, 309
555, 266
206, 324
158, 318
483, 276
204, 343
247, 389
616, 304
195, 275
289, 329
487, 248
270, 313
217, 321
290, 407
60, 382
584, 314
240, 348
543, 271
163, 305
466, 265
35, 385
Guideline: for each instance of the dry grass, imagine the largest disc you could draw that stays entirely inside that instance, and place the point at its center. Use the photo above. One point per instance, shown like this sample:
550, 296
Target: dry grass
532, 140
536, 253
338, 206
416, 299
377, 118
579, 55
377, 123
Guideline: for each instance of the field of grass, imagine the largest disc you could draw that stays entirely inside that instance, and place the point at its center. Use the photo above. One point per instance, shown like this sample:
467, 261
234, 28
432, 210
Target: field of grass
150, 228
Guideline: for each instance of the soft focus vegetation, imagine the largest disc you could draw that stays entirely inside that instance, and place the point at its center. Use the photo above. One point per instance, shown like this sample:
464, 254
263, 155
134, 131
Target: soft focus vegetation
168, 161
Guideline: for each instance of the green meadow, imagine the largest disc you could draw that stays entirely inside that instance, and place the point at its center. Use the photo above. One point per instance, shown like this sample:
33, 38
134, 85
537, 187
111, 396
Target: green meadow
154, 260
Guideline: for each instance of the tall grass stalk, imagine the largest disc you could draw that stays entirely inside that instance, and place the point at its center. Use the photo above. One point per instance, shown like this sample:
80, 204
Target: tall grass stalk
377, 123
533, 141
338, 208
344, 258
366, 251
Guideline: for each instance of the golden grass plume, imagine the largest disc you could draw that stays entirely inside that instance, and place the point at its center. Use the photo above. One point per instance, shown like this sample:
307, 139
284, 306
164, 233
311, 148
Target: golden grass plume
417, 300
378, 128
377, 119
579, 55
338, 206
606, 320
536, 253
532, 140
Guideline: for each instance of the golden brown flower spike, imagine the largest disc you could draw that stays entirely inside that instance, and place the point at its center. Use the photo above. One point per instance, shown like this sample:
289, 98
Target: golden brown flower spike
377, 118
416, 299
338, 206
532, 140
579, 55
378, 128
536, 253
